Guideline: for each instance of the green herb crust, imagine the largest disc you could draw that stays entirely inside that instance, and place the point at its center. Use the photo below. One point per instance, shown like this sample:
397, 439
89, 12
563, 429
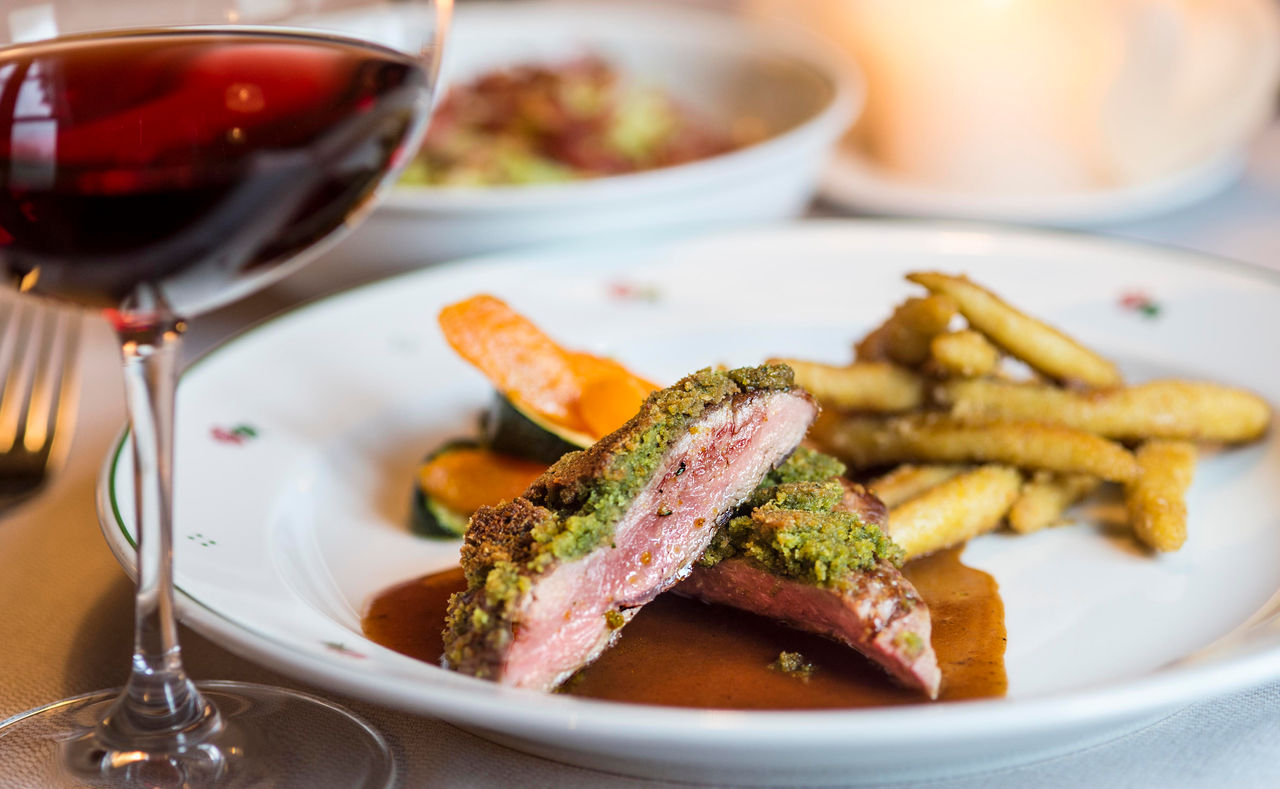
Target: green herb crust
793, 526
590, 491
793, 664
910, 643
805, 465
573, 508
807, 496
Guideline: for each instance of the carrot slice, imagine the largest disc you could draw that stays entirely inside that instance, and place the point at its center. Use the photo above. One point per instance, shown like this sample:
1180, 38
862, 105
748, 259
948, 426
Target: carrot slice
464, 480
513, 353
588, 367
608, 401
573, 389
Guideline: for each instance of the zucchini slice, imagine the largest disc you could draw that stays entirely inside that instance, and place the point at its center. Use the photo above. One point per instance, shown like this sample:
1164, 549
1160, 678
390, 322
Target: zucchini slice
428, 517
512, 429
461, 477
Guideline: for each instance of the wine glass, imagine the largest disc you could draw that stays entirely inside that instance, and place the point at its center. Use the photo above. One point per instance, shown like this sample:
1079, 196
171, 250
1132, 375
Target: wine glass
159, 158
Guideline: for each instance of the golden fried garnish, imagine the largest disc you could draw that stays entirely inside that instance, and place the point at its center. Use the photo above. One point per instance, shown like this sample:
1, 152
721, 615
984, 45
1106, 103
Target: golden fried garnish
1041, 346
1045, 497
863, 386
954, 511
867, 441
908, 481
904, 338
964, 353
1190, 410
1156, 499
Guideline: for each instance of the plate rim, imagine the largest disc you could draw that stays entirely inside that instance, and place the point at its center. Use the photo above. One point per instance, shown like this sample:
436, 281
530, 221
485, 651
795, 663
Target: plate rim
854, 181
479, 702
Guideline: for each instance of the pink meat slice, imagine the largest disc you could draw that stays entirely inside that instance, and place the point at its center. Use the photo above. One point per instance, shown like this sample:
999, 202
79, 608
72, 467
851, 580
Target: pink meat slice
877, 612
563, 621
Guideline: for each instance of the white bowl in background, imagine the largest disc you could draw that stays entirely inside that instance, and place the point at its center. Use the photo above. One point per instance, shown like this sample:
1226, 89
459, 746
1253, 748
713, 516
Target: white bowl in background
804, 92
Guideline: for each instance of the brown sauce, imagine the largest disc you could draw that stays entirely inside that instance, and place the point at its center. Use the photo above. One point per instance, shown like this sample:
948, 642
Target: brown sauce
679, 652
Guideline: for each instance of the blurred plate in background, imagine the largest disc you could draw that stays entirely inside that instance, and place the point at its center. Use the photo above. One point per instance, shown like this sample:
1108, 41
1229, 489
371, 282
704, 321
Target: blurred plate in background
856, 183
801, 92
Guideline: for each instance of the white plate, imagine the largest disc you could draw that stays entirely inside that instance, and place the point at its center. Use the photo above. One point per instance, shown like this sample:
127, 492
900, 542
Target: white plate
853, 181
802, 93
285, 533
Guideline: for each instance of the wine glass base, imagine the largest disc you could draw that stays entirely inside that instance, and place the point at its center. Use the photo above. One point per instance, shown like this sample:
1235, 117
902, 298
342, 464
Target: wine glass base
270, 737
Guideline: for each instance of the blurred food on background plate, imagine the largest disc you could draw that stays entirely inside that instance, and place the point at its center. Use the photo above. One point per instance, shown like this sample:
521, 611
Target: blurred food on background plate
715, 119
547, 122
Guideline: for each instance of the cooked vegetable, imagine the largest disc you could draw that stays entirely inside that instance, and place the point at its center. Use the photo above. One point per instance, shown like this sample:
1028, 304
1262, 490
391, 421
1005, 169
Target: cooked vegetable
1157, 498
1045, 497
429, 518
904, 338
863, 386
1190, 410
459, 478
953, 511
516, 431
516, 356
865, 442
1041, 346
575, 396
964, 353
551, 123
609, 400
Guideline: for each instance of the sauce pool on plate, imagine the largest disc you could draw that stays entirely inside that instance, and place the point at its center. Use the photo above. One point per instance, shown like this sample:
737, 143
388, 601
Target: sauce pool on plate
683, 653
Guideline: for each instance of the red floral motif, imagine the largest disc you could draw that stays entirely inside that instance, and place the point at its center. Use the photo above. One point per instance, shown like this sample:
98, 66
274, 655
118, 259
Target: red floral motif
1141, 303
341, 649
631, 291
236, 435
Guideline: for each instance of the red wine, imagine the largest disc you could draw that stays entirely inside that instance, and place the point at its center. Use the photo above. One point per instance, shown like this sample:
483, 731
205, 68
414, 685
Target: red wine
174, 169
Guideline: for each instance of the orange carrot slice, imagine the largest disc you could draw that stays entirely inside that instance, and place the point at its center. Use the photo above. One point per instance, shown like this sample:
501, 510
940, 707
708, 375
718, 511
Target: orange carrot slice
608, 401
513, 353
588, 367
573, 389
464, 480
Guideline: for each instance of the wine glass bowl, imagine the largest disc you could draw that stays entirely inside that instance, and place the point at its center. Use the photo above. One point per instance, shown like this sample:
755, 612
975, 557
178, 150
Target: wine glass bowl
191, 164
159, 159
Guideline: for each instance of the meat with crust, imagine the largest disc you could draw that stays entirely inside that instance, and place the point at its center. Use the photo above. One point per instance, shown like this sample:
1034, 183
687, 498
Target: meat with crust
554, 575
811, 554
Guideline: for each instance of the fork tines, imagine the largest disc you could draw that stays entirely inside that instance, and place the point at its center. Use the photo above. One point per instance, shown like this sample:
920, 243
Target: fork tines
38, 350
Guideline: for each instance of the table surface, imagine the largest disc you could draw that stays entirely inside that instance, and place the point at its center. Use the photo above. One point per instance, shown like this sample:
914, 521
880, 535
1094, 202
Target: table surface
67, 622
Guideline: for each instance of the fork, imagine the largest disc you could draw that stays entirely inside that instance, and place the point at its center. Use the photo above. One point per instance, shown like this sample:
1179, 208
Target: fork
38, 350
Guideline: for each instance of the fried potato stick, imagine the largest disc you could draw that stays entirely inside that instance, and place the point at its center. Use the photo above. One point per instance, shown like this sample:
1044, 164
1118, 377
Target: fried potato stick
1172, 409
1045, 497
908, 481
863, 386
866, 441
904, 338
1156, 499
1041, 346
954, 511
964, 353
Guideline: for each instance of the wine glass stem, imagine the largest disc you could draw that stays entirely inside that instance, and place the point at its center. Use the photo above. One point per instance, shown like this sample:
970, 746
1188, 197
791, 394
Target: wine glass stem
159, 708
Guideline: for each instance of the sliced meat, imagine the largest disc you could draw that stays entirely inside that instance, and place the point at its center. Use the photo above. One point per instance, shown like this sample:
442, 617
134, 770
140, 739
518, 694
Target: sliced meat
877, 612
863, 503
554, 575
778, 563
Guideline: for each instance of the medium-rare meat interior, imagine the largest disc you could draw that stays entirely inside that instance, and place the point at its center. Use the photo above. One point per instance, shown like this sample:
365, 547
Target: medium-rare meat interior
553, 576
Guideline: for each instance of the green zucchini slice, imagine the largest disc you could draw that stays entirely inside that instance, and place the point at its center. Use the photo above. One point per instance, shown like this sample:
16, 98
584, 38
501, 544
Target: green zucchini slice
427, 516
512, 430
